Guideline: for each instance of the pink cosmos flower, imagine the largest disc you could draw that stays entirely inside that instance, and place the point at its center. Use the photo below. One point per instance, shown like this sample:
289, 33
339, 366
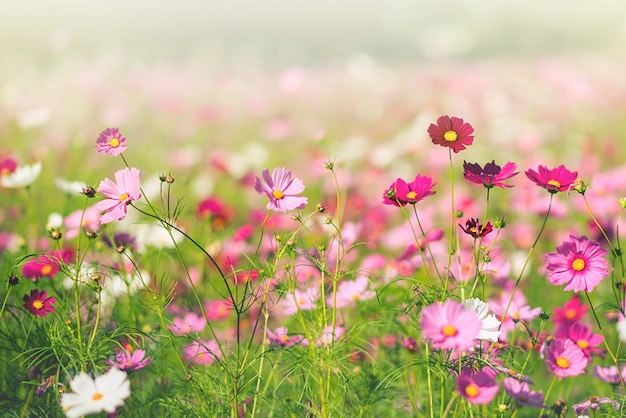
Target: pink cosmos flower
329, 335
127, 361
582, 336
450, 325
111, 142
564, 358
90, 218
579, 263
518, 310
45, 265
351, 291
300, 300
477, 387
38, 303
281, 189
281, 338
119, 194
582, 409
7, 166
556, 180
201, 352
490, 176
401, 193
218, 309
609, 374
189, 324
522, 394
571, 312
410, 344
451, 132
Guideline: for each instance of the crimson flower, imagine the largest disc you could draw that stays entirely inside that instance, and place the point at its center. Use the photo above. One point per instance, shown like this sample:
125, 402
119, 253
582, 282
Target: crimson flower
111, 142
579, 263
401, 193
473, 228
491, 175
451, 132
559, 179
38, 303
119, 194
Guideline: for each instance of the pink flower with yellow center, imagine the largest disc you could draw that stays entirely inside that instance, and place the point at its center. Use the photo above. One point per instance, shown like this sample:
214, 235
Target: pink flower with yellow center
579, 263
564, 358
555, 180
477, 387
119, 194
451, 132
111, 142
401, 193
281, 189
449, 325
38, 303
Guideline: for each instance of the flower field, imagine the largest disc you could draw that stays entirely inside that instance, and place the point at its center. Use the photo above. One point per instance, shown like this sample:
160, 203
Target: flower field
348, 240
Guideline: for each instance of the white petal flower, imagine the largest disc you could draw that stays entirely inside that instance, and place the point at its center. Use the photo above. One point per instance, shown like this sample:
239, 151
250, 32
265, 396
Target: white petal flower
489, 331
22, 176
621, 329
105, 393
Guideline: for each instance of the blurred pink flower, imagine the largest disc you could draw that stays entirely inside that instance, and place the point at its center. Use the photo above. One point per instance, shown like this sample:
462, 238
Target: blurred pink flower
127, 361
300, 300
281, 189
217, 309
119, 194
111, 142
554, 180
7, 166
90, 218
564, 358
521, 393
280, 337
451, 132
572, 311
449, 325
579, 263
201, 352
351, 291
189, 324
477, 387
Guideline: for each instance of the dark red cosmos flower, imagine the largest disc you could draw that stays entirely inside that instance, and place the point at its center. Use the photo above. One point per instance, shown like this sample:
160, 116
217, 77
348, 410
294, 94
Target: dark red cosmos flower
37, 303
491, 175
451, 132
473, 228
559, 179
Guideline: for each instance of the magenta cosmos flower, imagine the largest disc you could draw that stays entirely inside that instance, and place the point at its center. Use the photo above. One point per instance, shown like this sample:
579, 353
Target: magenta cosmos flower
120, 193
450, 325
281, 189
477, 387
38, 303
111, 142
582, 336
559, 179
564, 358
451, 132
401, 193
579, 263
127, 361
522, 394
491, 175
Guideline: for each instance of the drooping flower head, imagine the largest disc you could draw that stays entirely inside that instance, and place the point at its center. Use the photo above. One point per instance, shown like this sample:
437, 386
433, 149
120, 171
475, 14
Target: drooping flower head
475, 229
281, 189
119, 194
449, 325
491, 175
579, 263
477, 387
105, 393
451, 132
564, 358
522, 394
401, 193
38, 303
111, 142
559, 179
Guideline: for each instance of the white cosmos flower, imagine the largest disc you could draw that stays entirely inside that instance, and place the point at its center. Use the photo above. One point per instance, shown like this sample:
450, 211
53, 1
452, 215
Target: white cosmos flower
70, 187
105, 393
489, 331
22, 176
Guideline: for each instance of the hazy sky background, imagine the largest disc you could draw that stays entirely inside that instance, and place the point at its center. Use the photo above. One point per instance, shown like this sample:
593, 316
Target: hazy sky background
308, 32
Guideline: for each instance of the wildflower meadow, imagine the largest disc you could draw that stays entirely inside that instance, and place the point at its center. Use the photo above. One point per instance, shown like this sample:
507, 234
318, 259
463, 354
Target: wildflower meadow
348, 241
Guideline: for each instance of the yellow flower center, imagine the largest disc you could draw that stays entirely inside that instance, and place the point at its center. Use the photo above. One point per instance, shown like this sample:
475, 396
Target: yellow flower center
472, 390
97, 396
450, 136
4, 171
554, 183
37, 304
515, 315
114, 142
411, 195
123, 197
449, 330
45, 270
582, 344
562, 362
356, 297
278, 194
570, 313
578, 264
